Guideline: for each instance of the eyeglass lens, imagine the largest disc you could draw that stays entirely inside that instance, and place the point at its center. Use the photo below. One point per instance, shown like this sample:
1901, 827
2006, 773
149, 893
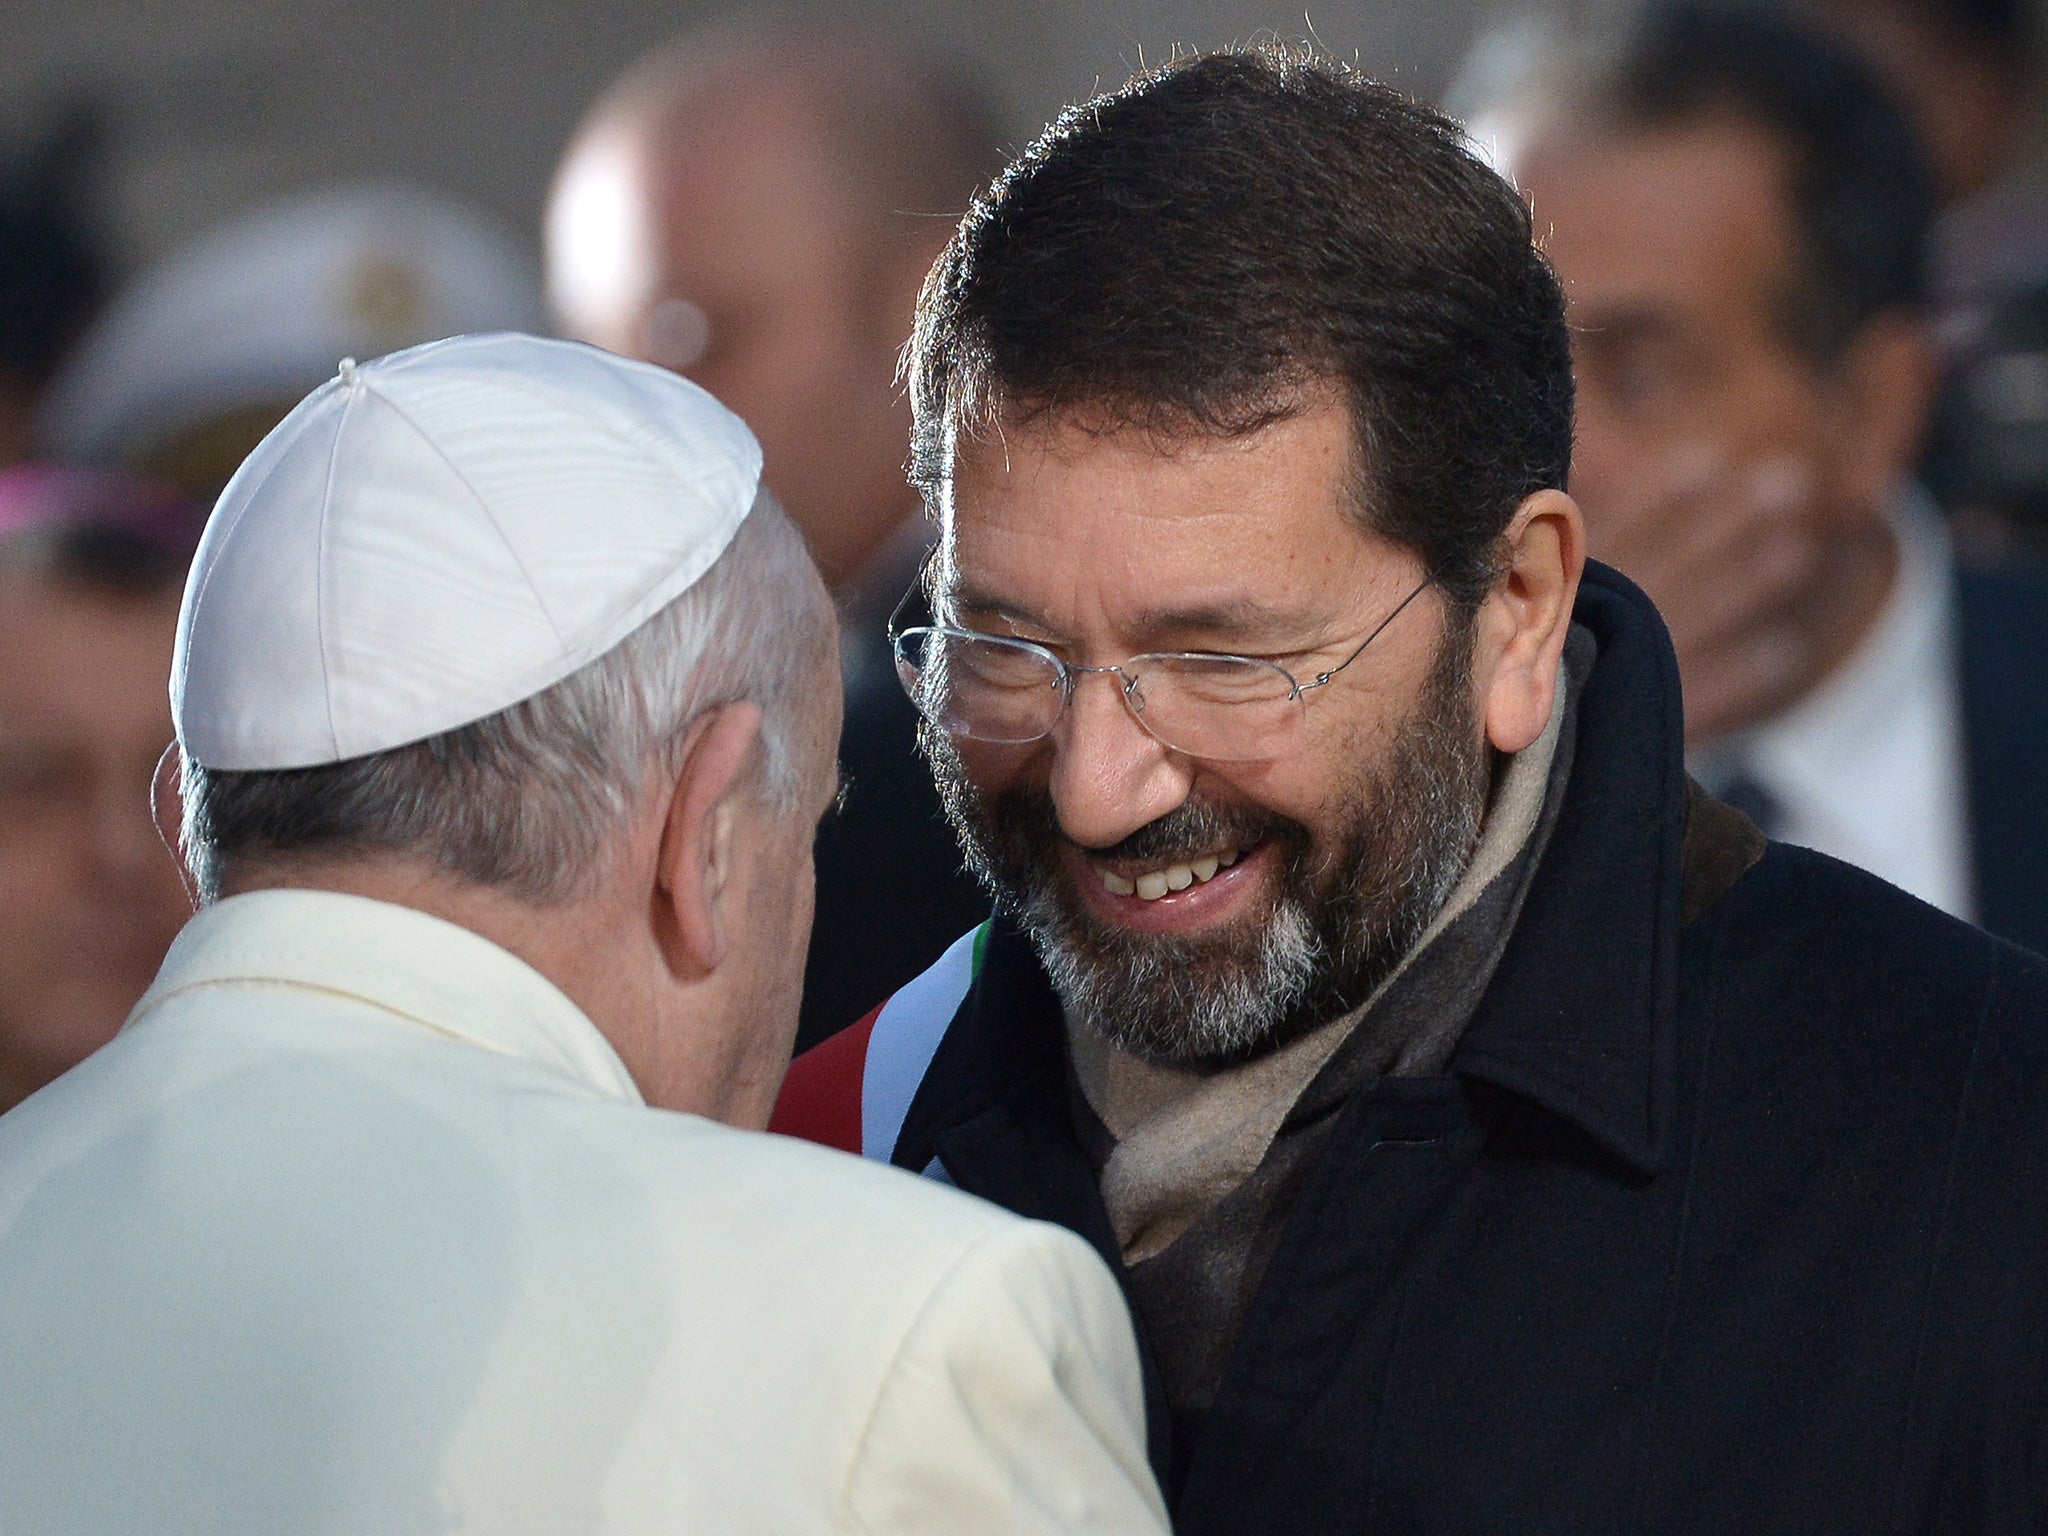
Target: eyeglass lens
988, 689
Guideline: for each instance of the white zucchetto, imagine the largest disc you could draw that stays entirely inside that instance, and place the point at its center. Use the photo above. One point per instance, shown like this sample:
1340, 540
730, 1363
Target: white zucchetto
432, 537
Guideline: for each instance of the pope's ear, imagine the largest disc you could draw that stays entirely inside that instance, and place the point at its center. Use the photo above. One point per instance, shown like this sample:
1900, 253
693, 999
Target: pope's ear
1523, 623
700, 838
167, 811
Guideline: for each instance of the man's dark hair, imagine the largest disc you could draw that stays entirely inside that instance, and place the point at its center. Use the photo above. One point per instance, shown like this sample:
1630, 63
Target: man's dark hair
1862, 194
1204, 247
52, 272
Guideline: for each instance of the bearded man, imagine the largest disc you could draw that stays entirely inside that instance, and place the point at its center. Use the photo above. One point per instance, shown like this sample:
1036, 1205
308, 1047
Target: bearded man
1492, 1131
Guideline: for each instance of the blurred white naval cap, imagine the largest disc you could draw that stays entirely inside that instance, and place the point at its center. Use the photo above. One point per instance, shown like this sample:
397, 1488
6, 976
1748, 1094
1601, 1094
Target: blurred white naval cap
432, 537
254, 312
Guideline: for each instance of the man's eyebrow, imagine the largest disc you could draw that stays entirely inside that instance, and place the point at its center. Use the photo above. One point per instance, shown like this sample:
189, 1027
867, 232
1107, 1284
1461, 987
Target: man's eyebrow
964, 597
1240, 620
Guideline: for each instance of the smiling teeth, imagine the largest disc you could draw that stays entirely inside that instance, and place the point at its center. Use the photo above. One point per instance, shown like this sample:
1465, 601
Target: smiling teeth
1156, 883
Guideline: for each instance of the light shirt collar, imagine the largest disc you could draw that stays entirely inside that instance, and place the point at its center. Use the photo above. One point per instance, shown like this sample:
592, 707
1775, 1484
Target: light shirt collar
429, 973
1870, 766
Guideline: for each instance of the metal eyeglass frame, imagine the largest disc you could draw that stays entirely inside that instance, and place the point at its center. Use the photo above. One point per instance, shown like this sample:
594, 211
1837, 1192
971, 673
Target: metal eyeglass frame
1066, 672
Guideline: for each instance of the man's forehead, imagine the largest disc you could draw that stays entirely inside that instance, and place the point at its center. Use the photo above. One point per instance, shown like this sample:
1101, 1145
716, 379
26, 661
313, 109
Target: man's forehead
732, 131
1310, 431
1620, 205
1064, 477
1253, 537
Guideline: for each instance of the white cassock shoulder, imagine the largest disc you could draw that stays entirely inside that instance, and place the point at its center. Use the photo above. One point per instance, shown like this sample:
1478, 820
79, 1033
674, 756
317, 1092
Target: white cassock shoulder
1013, 1404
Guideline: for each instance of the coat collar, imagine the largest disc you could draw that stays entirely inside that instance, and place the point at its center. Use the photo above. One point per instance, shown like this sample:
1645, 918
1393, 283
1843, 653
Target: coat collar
1581, 1013
429, 973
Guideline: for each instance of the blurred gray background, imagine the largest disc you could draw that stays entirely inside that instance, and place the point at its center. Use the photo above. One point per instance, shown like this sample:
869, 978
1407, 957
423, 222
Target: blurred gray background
212, 104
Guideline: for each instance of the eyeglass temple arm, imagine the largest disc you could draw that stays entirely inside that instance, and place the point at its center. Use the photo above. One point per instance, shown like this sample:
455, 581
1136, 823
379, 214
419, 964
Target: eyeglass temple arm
1323, 677
916, 586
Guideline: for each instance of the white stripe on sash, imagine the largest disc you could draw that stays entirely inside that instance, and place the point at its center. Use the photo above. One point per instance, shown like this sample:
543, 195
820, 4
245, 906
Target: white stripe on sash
906, 1036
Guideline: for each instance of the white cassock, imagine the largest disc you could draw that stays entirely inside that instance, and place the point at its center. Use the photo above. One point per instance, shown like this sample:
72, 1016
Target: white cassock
360, 1226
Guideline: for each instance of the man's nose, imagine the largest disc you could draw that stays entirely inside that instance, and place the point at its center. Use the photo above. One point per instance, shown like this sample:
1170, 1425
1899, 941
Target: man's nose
1110, 776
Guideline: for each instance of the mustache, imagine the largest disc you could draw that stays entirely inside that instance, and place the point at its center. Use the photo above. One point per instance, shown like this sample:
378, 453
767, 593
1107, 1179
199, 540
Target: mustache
1190, 829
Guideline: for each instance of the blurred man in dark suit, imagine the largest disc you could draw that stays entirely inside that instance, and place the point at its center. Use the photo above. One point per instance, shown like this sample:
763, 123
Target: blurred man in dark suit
1740, 217
1971, 72
756, 207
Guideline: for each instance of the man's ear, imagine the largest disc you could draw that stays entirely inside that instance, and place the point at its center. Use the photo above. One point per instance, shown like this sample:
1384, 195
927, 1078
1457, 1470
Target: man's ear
1523, 623
699, 838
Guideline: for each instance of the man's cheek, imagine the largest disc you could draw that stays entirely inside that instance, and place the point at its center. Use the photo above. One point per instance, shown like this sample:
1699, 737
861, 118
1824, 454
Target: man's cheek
994, 768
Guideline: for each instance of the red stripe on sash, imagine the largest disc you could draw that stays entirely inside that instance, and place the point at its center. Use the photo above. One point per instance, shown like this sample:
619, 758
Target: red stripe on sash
821, 1095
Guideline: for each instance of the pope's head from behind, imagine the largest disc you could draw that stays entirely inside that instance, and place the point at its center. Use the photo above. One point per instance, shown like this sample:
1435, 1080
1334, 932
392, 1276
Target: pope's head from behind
505, 630
1244, 399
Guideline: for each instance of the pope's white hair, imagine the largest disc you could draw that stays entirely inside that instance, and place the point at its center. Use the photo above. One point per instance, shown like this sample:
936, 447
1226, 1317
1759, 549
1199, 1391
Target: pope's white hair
531, 799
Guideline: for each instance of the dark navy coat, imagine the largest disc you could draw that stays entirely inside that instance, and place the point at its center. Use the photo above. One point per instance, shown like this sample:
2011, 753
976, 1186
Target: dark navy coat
1729, 1215
2003, 619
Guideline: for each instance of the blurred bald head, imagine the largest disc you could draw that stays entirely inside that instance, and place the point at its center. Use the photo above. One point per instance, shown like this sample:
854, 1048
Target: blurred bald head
755, 206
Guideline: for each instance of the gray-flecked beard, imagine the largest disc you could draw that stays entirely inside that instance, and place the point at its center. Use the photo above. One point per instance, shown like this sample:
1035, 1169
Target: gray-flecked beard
1343, 915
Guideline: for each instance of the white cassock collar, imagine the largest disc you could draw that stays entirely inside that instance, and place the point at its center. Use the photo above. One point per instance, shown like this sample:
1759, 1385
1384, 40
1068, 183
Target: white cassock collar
427, 972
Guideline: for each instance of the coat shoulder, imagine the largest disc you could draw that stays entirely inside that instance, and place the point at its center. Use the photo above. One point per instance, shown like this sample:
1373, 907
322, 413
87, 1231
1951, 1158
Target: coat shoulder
1821, 913
1826, 981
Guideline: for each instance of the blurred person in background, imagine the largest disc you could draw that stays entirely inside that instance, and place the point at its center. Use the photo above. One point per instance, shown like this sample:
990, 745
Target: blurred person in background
1970, 73
52, 273
755, 206
203, 353
90, 570
1739, 216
